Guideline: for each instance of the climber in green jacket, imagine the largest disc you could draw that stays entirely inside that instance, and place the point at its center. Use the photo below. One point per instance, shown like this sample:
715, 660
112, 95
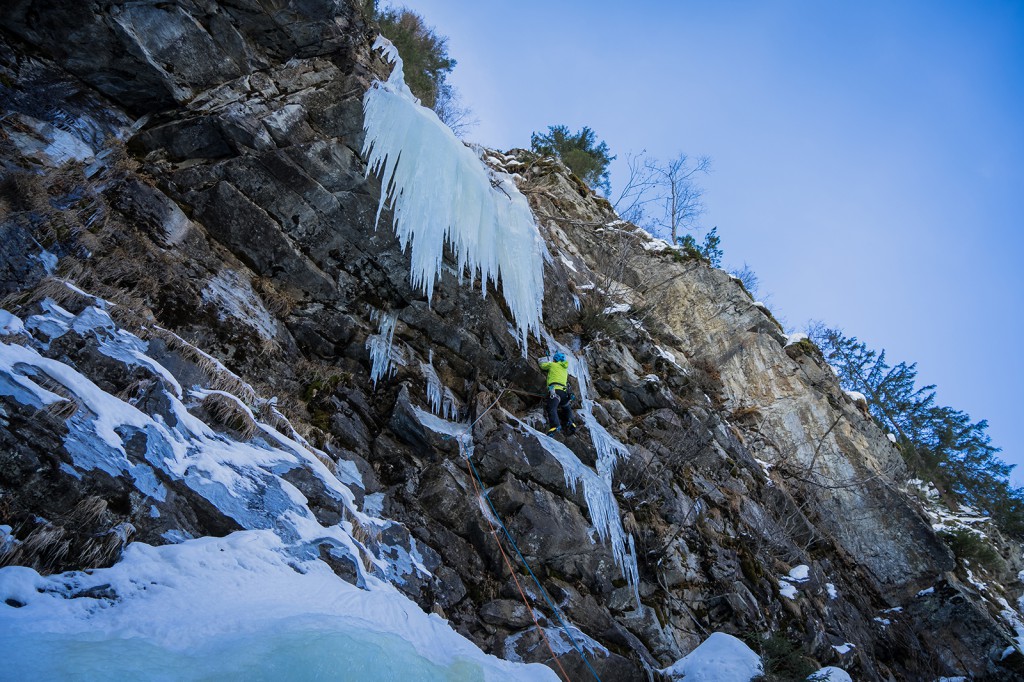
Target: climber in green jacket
558, 394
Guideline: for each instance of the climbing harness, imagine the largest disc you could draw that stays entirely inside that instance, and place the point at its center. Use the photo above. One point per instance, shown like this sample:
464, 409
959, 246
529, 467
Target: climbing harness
573, 400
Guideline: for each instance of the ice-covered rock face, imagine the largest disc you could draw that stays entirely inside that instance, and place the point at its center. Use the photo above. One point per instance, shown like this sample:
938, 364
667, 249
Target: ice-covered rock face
235, 456
295, 518
248, 289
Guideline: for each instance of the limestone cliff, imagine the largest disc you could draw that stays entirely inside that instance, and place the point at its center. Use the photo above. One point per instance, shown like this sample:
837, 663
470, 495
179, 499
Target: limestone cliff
197, 165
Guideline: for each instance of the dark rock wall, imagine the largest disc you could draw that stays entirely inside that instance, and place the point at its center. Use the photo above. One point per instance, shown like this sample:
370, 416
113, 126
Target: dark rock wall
237, 214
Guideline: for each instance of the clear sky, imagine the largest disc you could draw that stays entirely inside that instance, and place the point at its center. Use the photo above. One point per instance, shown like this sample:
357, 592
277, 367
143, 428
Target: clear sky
868, 156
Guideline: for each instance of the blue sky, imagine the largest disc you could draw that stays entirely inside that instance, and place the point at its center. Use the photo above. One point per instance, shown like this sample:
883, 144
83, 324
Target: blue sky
868, 157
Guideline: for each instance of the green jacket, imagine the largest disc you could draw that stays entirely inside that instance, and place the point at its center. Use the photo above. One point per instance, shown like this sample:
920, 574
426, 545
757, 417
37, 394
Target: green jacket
558, 372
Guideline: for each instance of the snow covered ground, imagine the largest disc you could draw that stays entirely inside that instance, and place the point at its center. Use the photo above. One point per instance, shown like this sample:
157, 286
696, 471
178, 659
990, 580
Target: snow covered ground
239, 607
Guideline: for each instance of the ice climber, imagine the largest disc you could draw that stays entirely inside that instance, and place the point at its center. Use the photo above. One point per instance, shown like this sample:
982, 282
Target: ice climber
558, 394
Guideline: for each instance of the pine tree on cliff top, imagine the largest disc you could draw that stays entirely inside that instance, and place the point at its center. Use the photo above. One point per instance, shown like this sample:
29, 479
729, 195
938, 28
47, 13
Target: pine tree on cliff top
580, 151
939, 443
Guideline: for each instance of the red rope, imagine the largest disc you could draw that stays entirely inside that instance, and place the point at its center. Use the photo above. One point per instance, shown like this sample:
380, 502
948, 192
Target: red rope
508, 563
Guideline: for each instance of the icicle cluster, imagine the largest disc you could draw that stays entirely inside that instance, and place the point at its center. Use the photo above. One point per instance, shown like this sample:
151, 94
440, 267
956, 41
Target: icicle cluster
442, 193
379, 345
442, 400
609, 448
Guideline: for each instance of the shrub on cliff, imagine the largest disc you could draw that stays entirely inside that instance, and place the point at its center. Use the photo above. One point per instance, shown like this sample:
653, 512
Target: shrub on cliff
427, 65
708, 251
966, 544
424, 52
580, 151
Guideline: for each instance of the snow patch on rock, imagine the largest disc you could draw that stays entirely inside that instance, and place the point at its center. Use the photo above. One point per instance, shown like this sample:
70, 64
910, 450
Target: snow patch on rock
719, 658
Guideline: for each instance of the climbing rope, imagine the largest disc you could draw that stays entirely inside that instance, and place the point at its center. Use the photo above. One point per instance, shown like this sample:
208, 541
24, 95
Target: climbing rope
478, 486
543, 592
511, 570
469, 430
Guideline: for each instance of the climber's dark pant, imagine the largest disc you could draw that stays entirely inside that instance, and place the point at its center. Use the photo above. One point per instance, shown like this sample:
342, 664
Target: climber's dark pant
558, 409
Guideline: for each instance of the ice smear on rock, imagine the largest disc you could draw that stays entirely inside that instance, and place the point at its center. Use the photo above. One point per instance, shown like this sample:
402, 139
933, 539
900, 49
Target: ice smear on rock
233, 296
455, 430
560, 643
442, 193
604, 510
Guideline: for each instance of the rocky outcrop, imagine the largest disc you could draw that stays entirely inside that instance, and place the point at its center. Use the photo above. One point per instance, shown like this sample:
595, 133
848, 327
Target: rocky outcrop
235, 217
152, 56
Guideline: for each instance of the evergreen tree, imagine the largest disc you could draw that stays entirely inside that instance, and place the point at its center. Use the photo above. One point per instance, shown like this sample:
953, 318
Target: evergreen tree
424, 53
581, 152
893, 398
709, 250
427, 64
939, 443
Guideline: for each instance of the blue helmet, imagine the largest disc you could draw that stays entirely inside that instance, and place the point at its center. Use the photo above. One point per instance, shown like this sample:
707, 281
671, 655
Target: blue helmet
559, 357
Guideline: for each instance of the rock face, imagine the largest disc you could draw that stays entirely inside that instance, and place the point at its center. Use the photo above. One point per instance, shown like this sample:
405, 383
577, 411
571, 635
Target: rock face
197, 165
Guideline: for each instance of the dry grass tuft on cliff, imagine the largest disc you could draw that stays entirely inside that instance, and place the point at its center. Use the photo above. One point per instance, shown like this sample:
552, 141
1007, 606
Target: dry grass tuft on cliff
227, 411
220, 377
